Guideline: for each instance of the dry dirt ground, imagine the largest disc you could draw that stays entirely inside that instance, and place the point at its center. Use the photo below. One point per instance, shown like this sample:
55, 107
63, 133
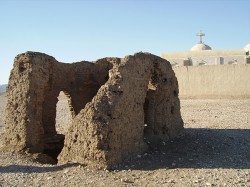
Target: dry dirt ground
214, 150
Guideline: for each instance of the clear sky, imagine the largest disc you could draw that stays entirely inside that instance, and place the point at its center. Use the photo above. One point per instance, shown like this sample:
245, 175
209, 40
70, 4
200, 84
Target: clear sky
75, 30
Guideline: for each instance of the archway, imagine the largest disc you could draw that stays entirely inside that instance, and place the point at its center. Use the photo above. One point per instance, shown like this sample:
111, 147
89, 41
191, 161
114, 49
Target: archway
64, 113
63, 119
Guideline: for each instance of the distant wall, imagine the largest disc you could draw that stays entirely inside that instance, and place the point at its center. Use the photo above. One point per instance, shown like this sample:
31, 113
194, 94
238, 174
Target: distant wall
3, 88
220, 81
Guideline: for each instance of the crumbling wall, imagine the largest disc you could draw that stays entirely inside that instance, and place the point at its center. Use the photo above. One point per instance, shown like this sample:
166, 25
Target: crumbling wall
112, 126
35, 83
119, 105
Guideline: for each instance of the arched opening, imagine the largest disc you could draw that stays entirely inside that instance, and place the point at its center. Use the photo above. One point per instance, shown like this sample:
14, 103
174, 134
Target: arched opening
63, 119
159, 107
149, 113
64, 105
64, 113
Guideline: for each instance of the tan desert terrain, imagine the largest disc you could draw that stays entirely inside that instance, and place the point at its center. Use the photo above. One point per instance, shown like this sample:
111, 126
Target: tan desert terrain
214, 150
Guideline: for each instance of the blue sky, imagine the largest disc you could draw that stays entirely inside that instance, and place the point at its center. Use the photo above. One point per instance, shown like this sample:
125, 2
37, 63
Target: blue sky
75, 30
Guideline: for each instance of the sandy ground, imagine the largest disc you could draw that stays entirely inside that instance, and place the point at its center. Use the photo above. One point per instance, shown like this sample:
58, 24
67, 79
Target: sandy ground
214, 150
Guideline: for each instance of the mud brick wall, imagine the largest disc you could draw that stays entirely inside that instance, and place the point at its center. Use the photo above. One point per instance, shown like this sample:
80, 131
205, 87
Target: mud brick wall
118, 106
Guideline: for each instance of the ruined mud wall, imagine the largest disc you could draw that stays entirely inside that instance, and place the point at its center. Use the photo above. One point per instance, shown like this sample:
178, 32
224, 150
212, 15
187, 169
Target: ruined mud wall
214, 81
119, 106
35, 83
112, 126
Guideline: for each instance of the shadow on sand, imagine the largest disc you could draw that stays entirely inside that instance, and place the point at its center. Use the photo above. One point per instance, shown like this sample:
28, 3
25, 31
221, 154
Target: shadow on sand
34, 169
198, 148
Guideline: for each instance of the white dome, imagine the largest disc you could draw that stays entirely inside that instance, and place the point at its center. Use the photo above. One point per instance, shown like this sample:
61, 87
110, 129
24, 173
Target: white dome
200, 47
247, 48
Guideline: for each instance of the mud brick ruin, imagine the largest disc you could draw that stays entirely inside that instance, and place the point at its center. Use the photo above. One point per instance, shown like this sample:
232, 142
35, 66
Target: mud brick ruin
118, 106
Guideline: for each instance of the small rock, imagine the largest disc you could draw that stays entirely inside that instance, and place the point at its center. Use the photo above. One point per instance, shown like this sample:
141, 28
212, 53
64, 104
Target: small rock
126, 180
171, 181
66, 171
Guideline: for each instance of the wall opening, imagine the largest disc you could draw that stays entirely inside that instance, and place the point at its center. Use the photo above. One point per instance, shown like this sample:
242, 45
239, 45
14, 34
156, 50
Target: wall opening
65, 106
64, 113
149, 130
63, 119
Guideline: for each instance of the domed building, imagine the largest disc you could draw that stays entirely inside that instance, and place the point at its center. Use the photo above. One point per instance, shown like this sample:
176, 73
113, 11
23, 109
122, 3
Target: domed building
200, 47
202, 54
247, 48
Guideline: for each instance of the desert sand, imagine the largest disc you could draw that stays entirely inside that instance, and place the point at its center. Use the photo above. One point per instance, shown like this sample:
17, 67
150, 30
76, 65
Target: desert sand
214, 150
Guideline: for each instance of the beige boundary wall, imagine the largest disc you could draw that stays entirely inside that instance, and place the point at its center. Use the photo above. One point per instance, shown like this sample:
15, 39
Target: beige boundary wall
214, 81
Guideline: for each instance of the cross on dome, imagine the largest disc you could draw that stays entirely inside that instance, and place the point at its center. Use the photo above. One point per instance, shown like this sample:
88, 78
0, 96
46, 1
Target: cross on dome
200, 35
